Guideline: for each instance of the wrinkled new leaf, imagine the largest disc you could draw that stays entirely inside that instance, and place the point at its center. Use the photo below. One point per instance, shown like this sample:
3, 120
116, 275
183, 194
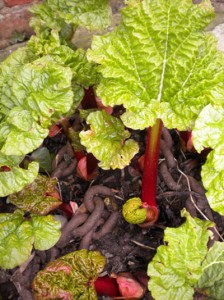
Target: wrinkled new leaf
108, 141
208, 132
83, 72
212, 279
159, 63
92, 14
70, 277
18, 234
176, 267
37, 197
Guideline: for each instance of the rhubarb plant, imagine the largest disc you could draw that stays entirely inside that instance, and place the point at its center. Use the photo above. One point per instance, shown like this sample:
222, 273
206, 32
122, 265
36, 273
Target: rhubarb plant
162, 66
40, 83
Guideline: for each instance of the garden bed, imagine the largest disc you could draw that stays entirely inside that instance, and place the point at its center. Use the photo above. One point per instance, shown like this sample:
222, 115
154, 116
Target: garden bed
126, 247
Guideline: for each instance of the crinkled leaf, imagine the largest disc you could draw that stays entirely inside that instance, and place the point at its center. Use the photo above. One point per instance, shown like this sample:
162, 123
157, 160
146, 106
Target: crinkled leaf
92, 14
37, 197
10, 160
46, 231
208, 132
30, 95
213, 179
14, 180
45, 19
16, 240
17, 236
70, 277
65, 16
176, 267
159, 63
106, 130
84, 72
212, 279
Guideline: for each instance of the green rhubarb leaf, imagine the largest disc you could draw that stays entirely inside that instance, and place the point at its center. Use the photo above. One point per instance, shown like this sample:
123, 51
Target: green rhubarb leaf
10, 160
46, 231
159, 63
106, 130
31, 95
70, 277
16, 239
84, 72
53, 14
14, 180
37, 197
44, 19
92, 14
208, 132
176, 267
17, 235
212, 279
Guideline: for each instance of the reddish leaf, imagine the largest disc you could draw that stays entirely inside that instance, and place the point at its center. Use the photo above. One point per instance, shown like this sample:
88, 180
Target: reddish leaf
87, 167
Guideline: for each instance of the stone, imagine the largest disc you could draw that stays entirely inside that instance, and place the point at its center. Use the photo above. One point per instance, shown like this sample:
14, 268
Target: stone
14, 20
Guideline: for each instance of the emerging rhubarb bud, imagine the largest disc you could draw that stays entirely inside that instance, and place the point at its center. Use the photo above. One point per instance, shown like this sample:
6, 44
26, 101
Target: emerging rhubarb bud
129, 286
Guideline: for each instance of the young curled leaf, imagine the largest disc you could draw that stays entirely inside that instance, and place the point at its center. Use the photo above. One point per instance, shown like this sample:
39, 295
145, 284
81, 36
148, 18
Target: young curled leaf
37, 197
133, 212
92, 14
176, 267
106, 130
70, 277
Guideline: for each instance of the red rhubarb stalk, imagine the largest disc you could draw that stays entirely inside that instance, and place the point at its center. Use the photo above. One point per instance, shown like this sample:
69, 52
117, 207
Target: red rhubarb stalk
144, 211
150, 171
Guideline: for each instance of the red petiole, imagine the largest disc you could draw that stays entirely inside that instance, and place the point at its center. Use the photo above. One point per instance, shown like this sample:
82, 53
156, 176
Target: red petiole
150, 172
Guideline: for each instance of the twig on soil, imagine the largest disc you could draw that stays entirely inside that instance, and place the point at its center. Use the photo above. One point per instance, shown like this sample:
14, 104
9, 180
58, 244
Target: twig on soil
143, 246
198, 209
